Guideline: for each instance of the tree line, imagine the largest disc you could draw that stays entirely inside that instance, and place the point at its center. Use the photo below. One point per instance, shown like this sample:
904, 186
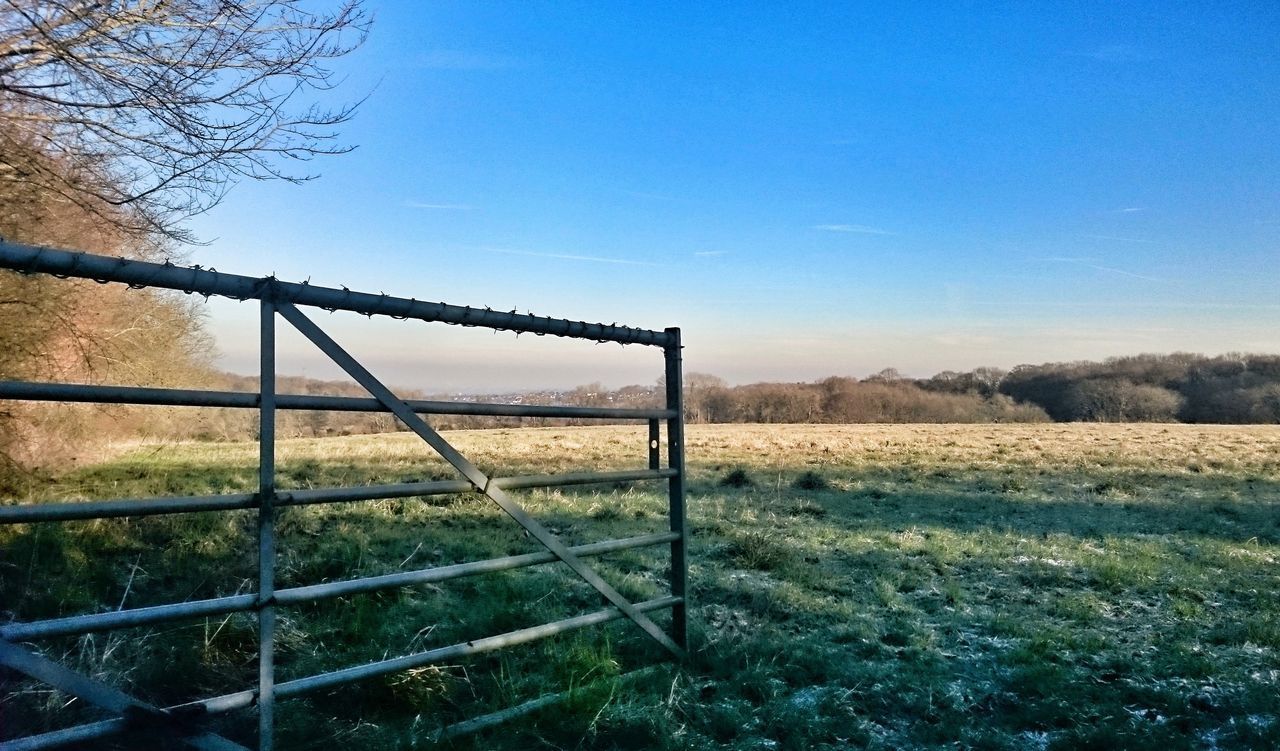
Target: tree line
1179, 387
1182, 387
884, 397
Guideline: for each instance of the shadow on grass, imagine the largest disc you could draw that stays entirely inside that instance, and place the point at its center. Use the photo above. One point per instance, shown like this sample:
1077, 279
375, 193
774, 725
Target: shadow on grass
1085, 518
1116, 504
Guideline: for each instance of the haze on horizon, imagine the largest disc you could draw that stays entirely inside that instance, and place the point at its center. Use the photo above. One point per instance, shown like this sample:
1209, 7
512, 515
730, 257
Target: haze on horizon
805, 190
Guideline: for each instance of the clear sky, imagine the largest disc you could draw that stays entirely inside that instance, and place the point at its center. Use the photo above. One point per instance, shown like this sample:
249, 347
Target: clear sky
806, 189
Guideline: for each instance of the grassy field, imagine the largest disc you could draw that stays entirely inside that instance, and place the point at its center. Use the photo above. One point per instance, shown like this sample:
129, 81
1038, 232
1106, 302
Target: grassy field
886, 587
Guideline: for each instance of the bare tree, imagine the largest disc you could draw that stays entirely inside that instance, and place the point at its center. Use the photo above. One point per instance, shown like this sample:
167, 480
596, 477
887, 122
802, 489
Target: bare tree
698, 387
119, 119
157, 106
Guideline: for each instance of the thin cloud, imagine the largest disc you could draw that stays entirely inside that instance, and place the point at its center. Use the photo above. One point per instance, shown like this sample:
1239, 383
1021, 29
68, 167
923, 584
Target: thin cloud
461, 60
860, 229
569, 257
1088, 263
1119, 239
1130, 210
711, 253
439, 206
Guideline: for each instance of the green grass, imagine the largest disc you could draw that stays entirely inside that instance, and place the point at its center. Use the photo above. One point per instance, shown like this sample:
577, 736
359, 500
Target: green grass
883, 587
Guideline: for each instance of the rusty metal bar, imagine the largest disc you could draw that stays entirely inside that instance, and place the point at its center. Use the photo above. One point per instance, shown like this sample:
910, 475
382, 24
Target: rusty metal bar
26, 258
676, 511
84, 392
470, 471
80, 510
132, 618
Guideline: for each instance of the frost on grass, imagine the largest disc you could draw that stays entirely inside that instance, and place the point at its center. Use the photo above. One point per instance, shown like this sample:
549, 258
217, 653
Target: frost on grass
989, 586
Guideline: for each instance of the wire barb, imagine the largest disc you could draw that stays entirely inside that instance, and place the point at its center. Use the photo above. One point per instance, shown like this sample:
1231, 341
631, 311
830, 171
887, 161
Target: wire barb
209, 283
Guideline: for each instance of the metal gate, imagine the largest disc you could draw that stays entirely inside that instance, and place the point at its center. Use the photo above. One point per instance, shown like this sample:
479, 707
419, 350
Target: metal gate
282, 299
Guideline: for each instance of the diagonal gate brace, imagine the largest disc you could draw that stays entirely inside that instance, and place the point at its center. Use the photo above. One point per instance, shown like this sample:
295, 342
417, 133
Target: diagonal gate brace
133, 713
479, 479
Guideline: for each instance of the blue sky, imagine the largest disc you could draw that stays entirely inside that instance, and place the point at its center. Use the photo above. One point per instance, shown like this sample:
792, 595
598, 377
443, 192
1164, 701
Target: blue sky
806, 189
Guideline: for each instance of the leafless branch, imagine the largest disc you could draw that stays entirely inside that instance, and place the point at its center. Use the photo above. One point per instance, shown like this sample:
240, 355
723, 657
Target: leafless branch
158, 106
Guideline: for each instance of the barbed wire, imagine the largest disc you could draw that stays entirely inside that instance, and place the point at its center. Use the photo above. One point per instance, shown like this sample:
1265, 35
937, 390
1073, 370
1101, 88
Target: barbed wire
145, 274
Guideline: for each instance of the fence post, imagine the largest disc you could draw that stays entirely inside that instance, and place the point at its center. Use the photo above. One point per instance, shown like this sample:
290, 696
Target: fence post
655, 442
676, 509
266, 526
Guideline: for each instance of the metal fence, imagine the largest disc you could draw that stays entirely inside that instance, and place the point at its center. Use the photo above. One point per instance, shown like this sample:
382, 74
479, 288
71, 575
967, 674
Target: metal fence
281, 299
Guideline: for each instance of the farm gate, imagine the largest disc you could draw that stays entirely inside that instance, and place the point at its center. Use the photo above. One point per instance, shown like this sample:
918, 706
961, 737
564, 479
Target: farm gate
282, 299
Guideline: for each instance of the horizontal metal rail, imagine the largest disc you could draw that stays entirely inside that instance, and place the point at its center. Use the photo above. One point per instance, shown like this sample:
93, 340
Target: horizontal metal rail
26, 258
288, 689
493, 719
96, 731
581, 478
83, 392
448, 487
79, 734
371, 492
81, 624
443, 573
323, 681
81, 510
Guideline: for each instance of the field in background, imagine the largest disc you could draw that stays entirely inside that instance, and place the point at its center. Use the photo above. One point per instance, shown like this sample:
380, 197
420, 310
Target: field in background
906, 586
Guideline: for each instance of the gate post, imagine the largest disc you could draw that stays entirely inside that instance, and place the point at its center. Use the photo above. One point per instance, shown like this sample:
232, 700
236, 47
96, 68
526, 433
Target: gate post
676, 509
266, 526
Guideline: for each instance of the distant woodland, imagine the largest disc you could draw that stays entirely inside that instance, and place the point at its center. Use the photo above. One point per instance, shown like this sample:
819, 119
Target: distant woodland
1144, 388
1177, 387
